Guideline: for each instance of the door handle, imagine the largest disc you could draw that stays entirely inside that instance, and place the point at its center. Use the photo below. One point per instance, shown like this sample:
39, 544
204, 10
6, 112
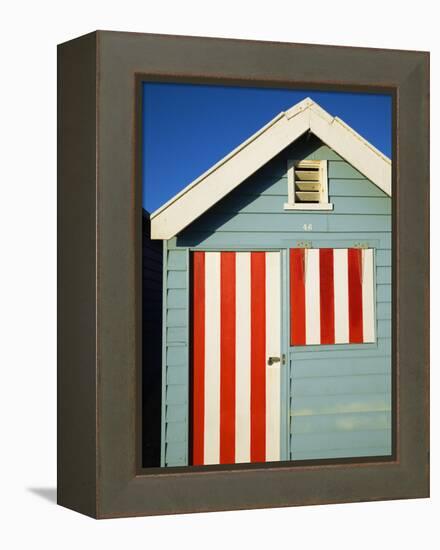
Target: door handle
273, 360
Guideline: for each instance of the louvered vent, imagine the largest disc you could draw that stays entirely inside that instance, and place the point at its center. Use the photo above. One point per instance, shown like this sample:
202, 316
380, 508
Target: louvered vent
308, 181
307, 185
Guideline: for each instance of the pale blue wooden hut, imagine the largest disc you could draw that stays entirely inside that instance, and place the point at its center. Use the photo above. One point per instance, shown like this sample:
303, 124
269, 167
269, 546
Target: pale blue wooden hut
277, 299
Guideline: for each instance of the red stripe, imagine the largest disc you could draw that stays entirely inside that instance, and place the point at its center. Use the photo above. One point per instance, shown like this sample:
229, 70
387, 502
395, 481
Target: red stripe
327, 296
227, 358
198, 370
297, 298
258, 357
355, 295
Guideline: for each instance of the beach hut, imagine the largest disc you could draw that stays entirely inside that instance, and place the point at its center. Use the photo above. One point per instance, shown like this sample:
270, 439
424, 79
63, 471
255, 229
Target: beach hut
277, 299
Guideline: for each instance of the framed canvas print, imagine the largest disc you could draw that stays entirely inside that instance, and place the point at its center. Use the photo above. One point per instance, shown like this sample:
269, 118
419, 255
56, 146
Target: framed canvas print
243, 274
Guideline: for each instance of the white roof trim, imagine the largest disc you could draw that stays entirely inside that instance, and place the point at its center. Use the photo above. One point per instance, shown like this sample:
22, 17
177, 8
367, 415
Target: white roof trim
252, 154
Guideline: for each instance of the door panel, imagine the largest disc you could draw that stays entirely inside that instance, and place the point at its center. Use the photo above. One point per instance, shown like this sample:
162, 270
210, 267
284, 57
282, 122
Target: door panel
236, 328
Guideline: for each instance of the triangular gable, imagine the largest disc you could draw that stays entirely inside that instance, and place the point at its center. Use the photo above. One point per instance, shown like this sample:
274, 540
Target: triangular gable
252, 154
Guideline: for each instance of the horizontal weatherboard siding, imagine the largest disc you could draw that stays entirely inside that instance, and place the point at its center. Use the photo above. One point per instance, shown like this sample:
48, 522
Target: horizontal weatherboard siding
176, 279
176, 375
383, 258
177, 335
176, 413
176, 453
340, 169
315, 367
176, 394
340, 385
342, 422
177, 260
338, 187
175, 389
383, 293
285, 222
350, 351
354, 188
176, 298
175, 357
176, 432
273, 204
177, 317
337, 404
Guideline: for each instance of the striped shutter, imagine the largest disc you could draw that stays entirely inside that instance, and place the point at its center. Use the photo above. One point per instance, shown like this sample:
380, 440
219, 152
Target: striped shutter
236, 323
331, 296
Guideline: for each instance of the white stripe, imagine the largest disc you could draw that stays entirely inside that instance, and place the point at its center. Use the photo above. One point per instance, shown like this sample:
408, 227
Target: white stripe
212, 358
243, 357
273, 349
340, 274
368, 295
313, 306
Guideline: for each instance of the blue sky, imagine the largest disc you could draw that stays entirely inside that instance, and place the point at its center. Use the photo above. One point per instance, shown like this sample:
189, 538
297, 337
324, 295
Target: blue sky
189, 127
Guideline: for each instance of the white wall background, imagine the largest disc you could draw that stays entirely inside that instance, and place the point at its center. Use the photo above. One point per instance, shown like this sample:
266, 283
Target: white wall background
29, 34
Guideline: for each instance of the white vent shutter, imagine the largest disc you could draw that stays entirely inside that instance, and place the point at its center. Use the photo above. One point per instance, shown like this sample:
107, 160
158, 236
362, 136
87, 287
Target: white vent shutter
307, 186
308, 181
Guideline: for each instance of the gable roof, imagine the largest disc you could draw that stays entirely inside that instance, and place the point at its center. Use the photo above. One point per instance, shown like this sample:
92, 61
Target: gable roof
205, 191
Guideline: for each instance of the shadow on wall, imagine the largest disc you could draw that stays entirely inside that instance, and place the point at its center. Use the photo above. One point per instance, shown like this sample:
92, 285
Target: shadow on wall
151, 345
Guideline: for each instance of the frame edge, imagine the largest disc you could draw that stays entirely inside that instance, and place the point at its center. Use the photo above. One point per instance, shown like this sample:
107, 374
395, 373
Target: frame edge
77, 276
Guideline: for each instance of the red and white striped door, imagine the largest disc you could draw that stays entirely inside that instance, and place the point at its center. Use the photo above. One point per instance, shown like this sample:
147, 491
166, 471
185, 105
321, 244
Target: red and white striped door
236, 327
332, 296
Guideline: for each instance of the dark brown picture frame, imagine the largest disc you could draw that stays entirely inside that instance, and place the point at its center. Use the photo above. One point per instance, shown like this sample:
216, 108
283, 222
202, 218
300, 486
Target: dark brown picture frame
99, 287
